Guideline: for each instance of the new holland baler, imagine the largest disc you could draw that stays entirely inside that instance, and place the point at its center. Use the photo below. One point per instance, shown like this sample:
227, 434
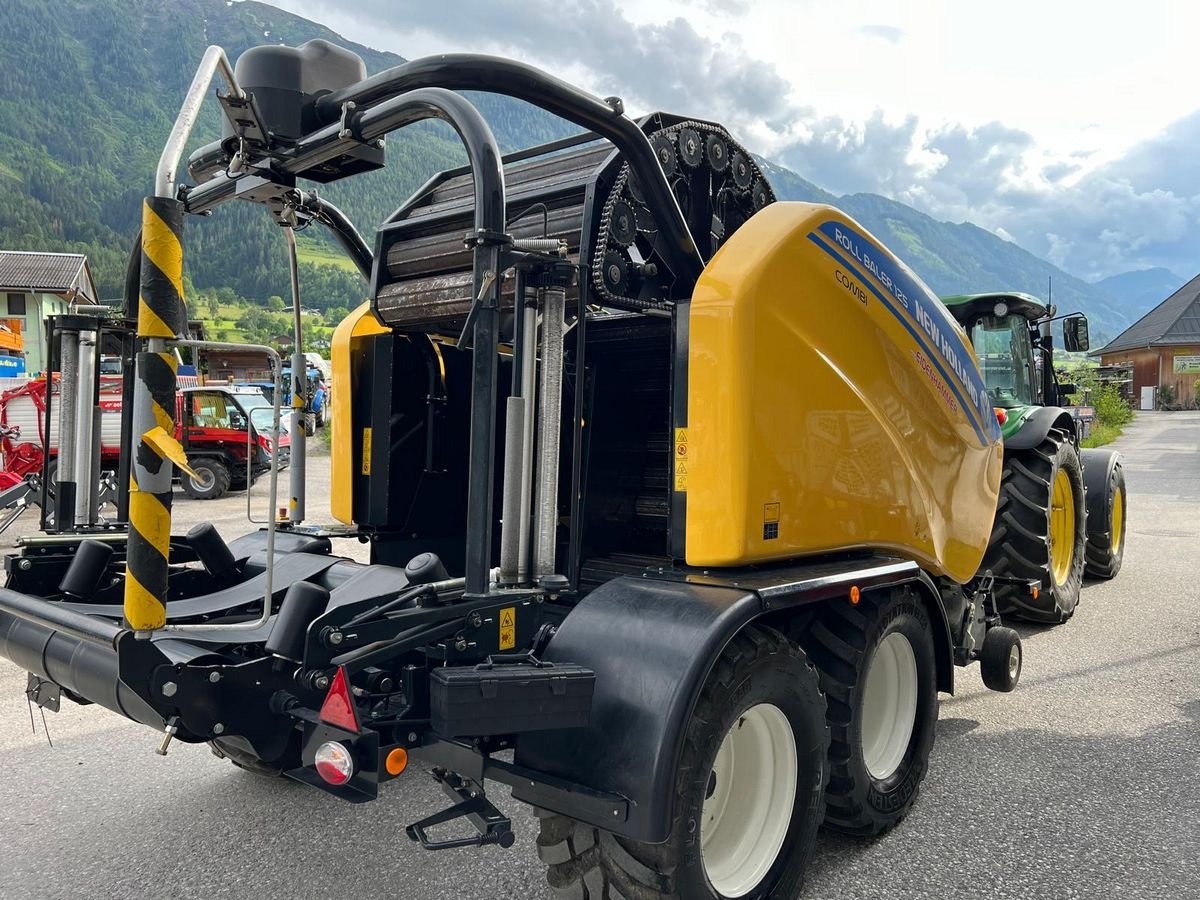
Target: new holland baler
676, 492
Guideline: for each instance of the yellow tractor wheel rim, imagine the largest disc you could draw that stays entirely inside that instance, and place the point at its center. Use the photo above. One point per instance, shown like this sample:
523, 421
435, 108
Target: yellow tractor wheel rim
1118, 519
1062, 527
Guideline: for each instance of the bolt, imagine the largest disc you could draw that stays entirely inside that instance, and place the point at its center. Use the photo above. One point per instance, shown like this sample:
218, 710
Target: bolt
218, 728
461, 645
336, 638
214, 677
321, 682
25, 565
476, 620
412, 737
169, 689
345, 133
616, 812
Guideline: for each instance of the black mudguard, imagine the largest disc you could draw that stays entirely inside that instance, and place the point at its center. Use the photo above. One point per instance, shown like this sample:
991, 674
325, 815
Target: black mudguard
1098, 465
651, 643
1038, 425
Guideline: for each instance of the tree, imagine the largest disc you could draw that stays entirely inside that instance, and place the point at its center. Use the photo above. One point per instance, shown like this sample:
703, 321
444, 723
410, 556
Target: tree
275, 303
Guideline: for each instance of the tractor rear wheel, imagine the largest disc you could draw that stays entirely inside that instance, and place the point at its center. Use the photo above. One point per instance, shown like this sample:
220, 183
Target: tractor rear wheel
750, 780
211, 481
879, 674
1106, 539
1040, 531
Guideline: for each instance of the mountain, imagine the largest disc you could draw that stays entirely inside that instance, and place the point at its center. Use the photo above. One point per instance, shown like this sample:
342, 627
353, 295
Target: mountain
90, 87
88, 92
1141, 290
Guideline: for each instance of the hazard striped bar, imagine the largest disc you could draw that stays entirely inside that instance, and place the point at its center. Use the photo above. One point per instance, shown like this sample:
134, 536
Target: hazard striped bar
161, 317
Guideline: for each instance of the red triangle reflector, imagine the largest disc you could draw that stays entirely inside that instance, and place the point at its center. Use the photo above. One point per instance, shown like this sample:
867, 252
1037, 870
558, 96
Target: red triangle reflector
338, 709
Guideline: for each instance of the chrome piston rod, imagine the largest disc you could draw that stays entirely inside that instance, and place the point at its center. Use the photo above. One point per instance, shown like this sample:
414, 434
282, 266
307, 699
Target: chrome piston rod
554, 301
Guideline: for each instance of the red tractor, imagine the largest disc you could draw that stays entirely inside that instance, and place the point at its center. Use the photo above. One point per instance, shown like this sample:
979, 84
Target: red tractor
220, 427
225, 433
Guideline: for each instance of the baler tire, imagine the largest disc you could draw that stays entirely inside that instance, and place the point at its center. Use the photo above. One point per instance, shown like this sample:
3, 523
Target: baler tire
759, 667
1103, 560
1020, 542
843, 641
220, 484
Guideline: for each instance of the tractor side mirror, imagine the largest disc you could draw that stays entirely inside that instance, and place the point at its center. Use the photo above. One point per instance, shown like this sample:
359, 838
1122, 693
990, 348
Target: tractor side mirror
1066, 389
1075, 334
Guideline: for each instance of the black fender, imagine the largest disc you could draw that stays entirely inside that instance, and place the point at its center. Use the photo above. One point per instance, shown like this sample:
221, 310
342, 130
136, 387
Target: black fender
1038, 425
651, 643
1098, 465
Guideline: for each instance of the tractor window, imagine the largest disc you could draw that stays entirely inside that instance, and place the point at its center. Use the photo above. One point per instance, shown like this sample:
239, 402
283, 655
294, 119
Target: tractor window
1006, 358
210, 410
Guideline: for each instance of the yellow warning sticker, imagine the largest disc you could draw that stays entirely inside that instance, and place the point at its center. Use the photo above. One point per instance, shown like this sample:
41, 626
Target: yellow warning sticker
508, 628
681, 460
366, 464
770, 512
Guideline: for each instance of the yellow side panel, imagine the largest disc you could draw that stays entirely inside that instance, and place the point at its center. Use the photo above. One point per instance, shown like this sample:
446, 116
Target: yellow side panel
833, 404
359, 324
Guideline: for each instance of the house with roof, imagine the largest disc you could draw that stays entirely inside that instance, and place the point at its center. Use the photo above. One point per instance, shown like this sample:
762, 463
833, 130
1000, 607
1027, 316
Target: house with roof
34, 285
1163, 346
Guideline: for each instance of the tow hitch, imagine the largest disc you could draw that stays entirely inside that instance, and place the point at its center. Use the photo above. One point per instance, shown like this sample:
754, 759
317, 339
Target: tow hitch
473, 804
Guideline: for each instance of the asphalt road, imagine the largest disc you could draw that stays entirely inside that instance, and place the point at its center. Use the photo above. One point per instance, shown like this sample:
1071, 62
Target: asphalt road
1085, 783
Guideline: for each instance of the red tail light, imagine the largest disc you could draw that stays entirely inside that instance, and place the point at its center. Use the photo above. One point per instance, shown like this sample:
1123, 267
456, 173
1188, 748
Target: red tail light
334, 763
1001, 415
338, 709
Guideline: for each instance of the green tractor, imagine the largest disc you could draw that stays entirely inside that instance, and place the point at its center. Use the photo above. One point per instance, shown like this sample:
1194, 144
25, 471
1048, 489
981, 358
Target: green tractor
1062, 508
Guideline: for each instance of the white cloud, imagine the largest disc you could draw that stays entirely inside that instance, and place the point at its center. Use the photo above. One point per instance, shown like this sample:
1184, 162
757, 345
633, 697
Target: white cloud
1032, 133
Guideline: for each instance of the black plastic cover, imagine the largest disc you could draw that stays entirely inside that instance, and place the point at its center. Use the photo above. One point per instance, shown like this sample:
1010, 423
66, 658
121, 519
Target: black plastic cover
286, 82
487, 699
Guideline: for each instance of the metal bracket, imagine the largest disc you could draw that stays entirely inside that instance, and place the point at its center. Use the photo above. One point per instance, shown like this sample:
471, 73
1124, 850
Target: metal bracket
45, 694
243, 114
492, 826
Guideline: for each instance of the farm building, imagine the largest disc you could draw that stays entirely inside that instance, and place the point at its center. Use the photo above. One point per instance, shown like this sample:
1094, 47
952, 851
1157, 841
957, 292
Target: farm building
1163, 346
33, 286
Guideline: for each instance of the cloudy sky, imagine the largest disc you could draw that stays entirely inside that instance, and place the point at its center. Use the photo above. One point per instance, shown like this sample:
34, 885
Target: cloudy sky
1072, 130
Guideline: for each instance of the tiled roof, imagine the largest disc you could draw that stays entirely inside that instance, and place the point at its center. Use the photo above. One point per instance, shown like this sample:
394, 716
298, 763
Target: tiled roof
53, 273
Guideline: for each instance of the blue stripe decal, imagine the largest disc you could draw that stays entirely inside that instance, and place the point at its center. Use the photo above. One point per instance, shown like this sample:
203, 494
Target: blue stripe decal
921, 308
934, 357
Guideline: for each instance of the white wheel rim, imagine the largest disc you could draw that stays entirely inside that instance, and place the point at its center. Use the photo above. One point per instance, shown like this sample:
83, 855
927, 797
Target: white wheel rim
889, 706
1014, 662
753, 791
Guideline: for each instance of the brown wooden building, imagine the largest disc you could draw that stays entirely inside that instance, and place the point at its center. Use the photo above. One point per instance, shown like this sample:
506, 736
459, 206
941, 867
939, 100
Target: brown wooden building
1163, 346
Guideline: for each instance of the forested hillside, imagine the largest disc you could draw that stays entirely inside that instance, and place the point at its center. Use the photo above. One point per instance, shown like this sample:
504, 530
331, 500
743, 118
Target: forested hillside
89, 89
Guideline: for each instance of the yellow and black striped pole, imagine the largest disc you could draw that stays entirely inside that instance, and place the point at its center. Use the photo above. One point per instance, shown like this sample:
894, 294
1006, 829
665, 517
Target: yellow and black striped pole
161, 317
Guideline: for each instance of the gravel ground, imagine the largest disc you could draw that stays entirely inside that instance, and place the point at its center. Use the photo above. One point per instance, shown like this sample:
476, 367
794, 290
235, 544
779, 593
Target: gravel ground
1082, 784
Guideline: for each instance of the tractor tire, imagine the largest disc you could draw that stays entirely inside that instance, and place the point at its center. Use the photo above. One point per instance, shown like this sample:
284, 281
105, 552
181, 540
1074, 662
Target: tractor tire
213, 482
879, 673
321, 415
757, 824
310, 424
1106, 545
1038, 488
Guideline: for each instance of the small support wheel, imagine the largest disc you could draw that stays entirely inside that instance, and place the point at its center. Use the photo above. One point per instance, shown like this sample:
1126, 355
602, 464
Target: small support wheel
1000, 659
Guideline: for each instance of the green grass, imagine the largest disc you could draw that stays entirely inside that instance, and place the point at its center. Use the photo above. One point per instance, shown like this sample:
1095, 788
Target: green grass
321, 255
1101, 434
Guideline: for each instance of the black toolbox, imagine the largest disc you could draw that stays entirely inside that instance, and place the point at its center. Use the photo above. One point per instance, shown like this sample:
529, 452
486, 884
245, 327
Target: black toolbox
505, 698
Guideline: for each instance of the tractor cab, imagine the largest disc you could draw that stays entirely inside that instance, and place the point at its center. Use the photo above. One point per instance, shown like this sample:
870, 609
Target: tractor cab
1011, 336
